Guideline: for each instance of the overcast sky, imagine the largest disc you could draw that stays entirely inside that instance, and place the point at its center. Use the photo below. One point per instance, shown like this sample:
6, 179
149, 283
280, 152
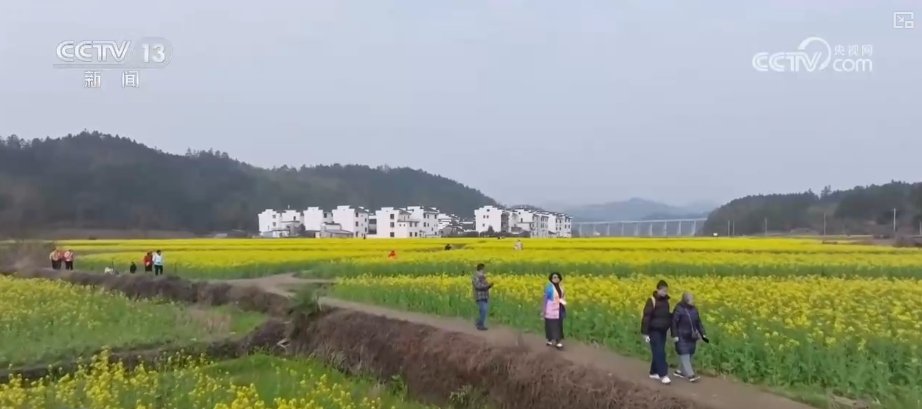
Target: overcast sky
528, 100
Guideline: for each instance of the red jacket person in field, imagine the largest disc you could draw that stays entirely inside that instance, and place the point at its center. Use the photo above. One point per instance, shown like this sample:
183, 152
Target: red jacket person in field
148, 262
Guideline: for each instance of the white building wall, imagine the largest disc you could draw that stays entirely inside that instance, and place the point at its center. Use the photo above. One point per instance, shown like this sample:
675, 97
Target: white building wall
314, 218
567, 227
541, 220
554, 224
268, 220
488, 216
288, 217
428, 220
388, 223
352, 219
447, 219
526, 220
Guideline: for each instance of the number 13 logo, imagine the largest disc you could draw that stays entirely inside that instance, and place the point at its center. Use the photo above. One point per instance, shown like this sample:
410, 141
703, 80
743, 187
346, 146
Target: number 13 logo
154, 53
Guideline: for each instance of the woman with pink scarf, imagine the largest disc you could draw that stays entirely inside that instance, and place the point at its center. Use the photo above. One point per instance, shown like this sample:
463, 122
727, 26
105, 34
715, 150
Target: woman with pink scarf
554, 310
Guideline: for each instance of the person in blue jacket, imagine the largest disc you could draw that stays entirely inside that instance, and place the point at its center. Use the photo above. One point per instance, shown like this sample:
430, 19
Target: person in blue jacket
687, 330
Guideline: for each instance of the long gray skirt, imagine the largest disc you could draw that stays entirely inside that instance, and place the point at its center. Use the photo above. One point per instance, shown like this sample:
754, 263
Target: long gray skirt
553, 329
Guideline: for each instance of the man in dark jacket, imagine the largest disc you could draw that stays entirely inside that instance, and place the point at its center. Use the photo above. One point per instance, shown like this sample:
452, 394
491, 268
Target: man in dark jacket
656, 321
481, 295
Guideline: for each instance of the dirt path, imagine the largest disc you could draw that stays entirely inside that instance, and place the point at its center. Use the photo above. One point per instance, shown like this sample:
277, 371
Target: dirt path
716, 392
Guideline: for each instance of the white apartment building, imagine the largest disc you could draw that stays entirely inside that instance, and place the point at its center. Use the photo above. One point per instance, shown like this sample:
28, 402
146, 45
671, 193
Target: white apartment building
492, 216
396, 223
447, 219
273, 221
559, 225
412, 222
315, 217
429, 220
534, 222
541, 221
354, 219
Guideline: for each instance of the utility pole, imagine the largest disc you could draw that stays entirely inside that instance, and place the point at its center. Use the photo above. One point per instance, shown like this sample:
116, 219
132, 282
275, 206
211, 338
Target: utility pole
824, 224
894, 220
733, 231
766, 227
728, 227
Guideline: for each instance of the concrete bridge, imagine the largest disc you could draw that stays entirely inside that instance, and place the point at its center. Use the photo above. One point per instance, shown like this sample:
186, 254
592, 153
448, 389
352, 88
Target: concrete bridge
640, 228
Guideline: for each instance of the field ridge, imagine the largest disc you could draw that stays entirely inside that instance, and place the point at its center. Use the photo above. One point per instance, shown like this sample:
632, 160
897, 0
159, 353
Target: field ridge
356, 341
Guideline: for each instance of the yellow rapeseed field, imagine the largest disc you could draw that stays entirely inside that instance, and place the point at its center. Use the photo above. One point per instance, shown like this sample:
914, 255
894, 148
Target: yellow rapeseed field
836, 315
855, 335
231, 258
255, 382
43, 320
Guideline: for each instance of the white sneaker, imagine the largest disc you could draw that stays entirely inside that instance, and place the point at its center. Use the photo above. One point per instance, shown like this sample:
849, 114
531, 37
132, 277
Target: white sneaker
654, 377
665, 380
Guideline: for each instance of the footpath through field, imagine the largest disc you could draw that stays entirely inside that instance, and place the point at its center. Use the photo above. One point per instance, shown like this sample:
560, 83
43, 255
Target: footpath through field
714, 392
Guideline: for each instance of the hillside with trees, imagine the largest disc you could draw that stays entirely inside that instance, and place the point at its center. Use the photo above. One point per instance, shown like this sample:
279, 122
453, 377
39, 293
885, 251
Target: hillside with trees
98, 181
861, 210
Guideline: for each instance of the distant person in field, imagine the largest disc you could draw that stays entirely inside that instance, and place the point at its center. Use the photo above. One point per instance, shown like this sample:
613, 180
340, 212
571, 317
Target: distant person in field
553, 309
69, 260
687, 330
656, 321
158, 263
55, 258
517, 245
481, 296
448, 246
133, 268
392, 254
148, 262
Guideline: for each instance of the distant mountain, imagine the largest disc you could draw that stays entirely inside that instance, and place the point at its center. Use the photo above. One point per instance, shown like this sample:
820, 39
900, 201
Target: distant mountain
869, 209
636, 209
98, 181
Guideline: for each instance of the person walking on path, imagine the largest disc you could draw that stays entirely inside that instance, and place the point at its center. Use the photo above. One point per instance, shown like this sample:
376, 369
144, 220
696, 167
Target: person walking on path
55, 259
132, 268
148, 262
158, 263
69, 260
687, 330
656, 321
553, 309
481, 296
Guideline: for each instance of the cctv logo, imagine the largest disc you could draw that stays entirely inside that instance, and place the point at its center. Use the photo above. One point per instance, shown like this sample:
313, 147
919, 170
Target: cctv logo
93, 52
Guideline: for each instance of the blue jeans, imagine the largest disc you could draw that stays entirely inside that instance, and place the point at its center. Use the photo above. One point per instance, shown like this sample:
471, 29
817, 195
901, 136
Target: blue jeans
658, 365
481, 313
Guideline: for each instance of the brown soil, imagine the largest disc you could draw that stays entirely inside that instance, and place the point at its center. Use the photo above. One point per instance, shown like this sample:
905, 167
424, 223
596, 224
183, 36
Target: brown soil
717, 393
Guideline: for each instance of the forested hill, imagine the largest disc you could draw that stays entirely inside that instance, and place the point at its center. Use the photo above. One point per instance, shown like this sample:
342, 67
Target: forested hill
98, 181
862, 210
